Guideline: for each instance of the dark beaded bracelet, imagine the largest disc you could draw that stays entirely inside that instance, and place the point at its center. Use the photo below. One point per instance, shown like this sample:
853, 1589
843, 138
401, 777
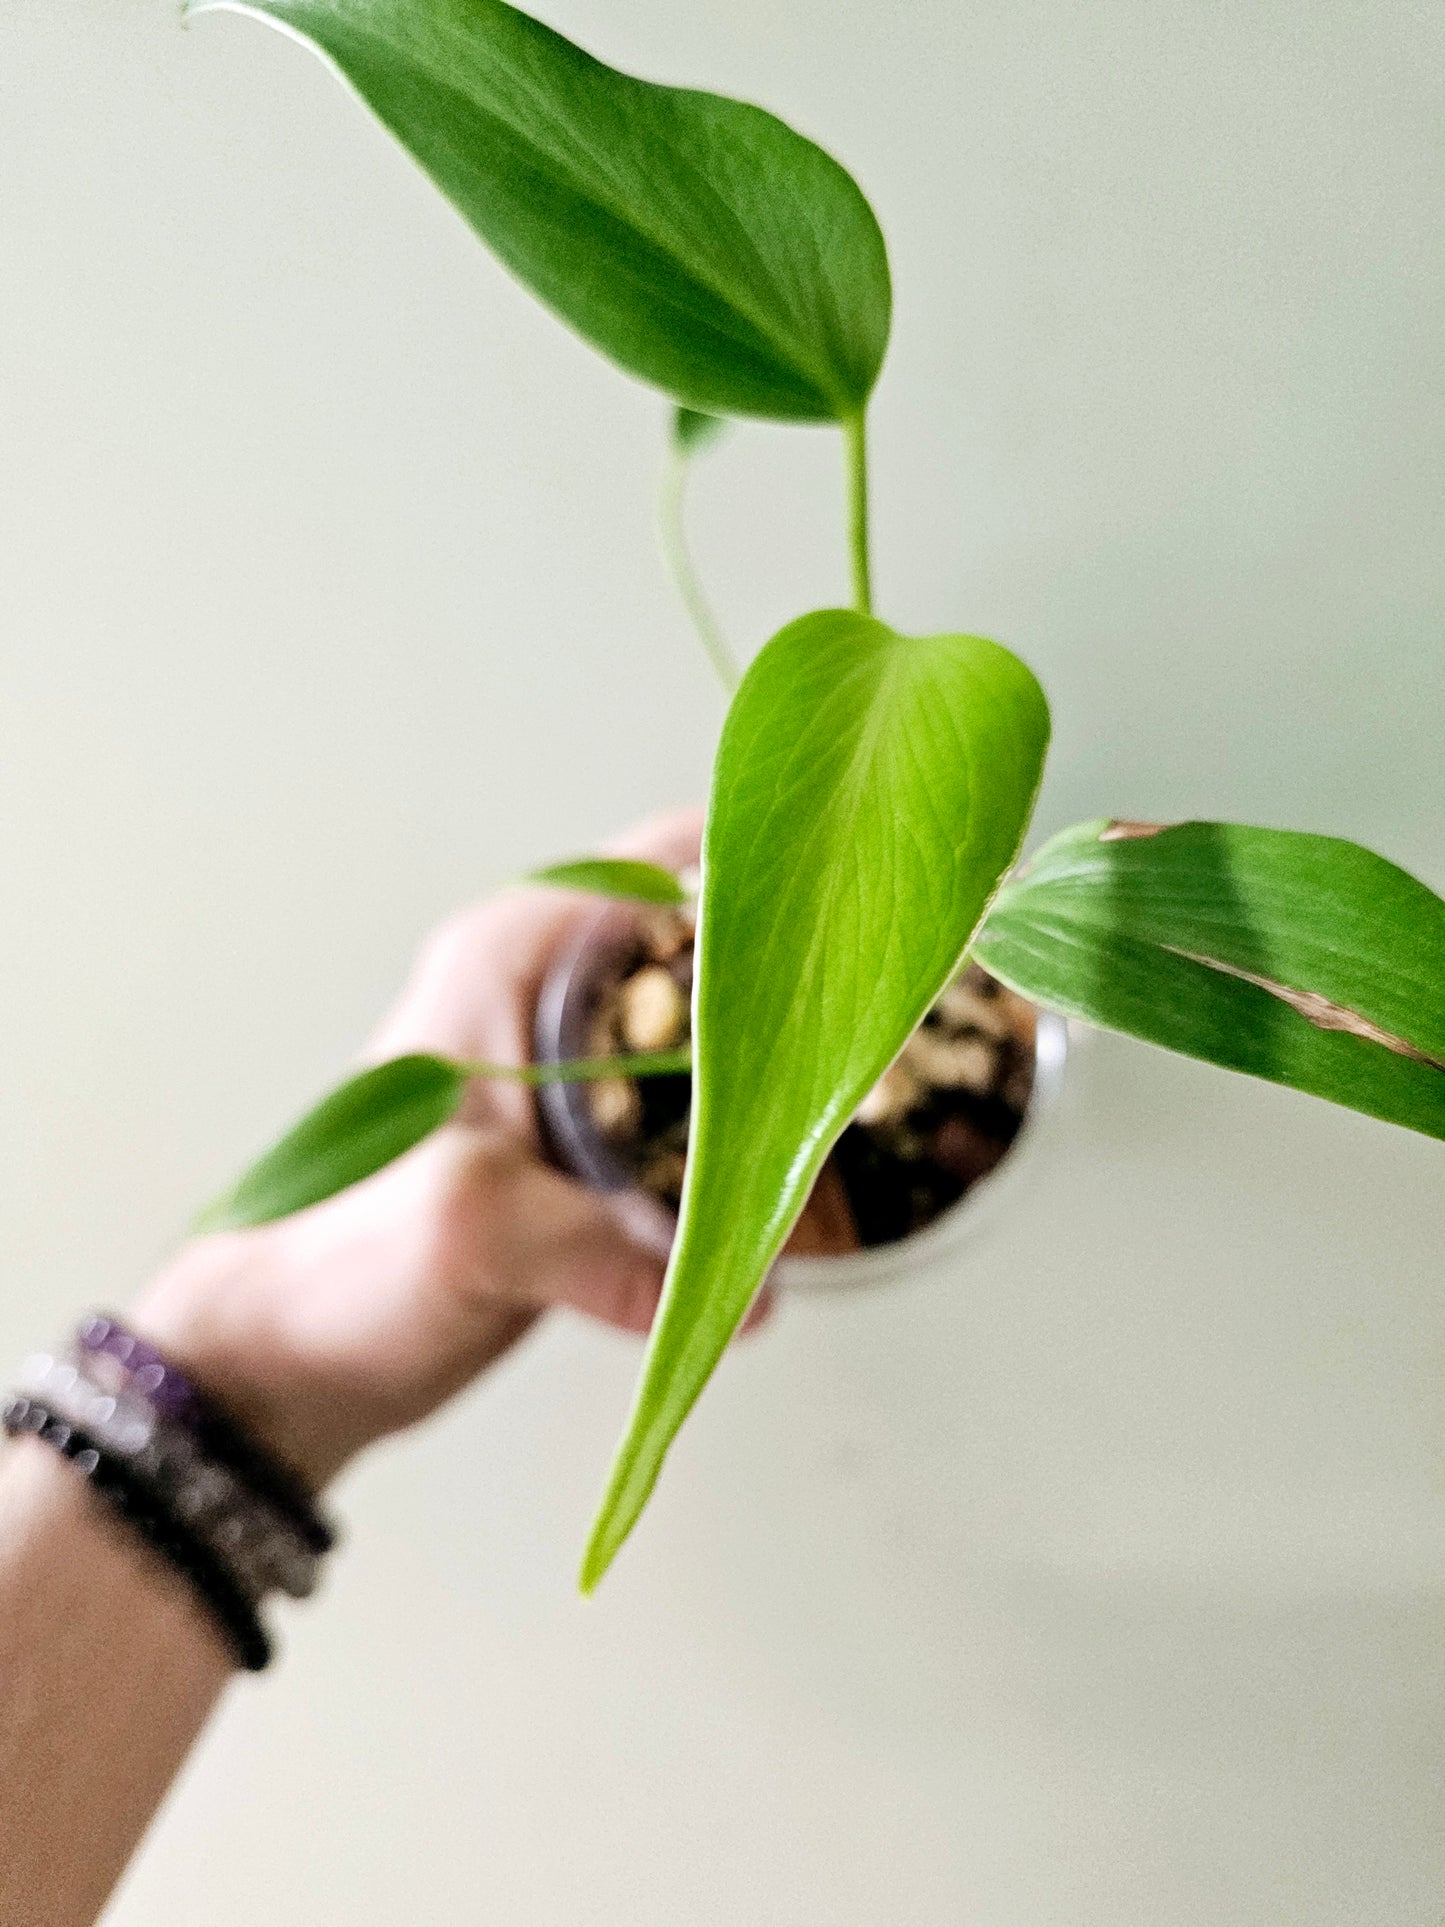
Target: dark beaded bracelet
261, 1551
173, 1396
130, 1500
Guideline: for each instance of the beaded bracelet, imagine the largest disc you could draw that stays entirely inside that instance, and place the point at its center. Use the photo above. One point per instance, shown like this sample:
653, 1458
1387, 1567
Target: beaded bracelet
173, 1396
234, 1614
262, 1550
164, 1455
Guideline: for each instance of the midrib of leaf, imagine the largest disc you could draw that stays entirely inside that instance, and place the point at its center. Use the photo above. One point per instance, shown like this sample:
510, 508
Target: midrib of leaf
887, 669
823, 838
702, 186
618, 210
860, 764
548, 161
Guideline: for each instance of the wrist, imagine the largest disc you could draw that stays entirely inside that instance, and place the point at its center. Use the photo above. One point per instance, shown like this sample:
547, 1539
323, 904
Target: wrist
214, 1314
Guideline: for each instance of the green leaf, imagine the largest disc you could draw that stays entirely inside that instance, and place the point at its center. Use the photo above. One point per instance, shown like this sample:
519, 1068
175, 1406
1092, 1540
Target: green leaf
692, 432
870, 791
361, 1126
697, 241
608, 876
373, 1118
1302, 959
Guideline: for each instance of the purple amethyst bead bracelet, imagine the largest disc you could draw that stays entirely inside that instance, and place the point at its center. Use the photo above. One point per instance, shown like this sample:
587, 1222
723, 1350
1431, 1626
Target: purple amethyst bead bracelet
222, 1512
106, 1343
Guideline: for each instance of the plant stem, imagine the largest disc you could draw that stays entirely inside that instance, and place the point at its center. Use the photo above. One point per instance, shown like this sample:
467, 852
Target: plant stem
855, 432
672, 531
582, 1070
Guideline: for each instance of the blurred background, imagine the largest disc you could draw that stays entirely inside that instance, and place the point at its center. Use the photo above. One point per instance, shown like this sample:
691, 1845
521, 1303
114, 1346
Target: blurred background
1093, 1578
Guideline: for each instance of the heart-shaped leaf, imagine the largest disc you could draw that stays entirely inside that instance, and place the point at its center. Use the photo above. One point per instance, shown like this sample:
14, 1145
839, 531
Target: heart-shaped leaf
697, 241
611, 876
1302, 959
870, 791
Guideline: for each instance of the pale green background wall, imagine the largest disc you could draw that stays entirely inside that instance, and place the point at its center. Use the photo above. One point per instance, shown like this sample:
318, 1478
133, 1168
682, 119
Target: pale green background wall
1095, 1580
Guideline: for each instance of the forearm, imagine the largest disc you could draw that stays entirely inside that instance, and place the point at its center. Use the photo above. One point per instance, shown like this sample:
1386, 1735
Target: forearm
110, 1659
318, 1335
109, 1667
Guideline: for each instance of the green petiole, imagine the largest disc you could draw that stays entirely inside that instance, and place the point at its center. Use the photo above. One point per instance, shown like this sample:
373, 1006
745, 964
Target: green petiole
855, 435
672, 533
584, 1070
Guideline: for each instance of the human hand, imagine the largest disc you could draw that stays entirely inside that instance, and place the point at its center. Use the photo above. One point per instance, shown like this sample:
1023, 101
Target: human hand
361, 1315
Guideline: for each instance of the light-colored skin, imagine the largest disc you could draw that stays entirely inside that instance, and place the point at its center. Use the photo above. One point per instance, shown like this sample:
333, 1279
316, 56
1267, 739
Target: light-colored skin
323, 1333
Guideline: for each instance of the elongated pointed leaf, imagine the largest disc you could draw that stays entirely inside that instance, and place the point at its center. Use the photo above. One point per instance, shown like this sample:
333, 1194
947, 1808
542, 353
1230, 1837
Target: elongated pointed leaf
1302, 959
870, 791
373, 1118
697, 241
365, 1123
610, 876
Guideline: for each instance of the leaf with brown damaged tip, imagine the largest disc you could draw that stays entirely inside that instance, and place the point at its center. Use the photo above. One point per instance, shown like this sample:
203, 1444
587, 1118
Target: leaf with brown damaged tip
1122, 829
1303, 959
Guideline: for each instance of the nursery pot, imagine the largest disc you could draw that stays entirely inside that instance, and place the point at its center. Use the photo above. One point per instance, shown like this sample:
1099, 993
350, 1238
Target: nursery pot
630, 964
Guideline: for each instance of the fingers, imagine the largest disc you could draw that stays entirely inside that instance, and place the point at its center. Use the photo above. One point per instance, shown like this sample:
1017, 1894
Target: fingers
474, 985
673, 839
508, 1228
473, 991
364, 1313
